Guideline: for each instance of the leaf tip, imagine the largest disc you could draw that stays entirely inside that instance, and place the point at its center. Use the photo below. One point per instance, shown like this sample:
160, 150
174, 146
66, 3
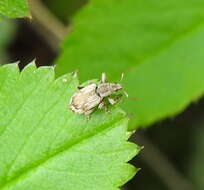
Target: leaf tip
32, 64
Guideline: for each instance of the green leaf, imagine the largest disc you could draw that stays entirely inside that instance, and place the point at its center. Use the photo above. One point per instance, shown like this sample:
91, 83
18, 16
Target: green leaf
43, 145
157, 44
14, 8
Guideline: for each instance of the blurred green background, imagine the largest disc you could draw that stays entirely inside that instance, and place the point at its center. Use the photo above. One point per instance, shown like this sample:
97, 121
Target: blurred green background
172, 158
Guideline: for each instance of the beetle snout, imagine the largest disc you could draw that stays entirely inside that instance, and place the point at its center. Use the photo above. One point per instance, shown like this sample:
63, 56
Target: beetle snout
117, 86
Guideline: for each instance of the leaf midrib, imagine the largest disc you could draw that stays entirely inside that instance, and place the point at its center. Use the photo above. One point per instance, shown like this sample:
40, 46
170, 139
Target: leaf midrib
28, 171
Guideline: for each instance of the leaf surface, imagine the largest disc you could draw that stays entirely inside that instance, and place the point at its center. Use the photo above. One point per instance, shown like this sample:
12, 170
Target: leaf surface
14, 8
157, 44
43, 145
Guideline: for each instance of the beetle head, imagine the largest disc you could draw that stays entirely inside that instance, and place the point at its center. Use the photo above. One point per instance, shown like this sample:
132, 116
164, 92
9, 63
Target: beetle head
116, 86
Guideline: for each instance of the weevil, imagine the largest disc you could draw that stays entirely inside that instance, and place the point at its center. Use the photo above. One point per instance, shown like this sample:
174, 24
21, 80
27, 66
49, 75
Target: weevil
93, 96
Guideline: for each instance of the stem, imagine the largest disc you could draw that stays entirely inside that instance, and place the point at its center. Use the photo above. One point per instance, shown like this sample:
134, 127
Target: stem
46, 24
154, 158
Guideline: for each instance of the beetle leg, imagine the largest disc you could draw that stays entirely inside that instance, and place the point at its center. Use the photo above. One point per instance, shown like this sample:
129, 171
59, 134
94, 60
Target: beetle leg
101, 105
113, 101
88, 114
103, 78
88, 117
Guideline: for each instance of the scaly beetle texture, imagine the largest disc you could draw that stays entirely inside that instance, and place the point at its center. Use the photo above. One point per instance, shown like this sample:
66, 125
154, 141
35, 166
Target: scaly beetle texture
92, 96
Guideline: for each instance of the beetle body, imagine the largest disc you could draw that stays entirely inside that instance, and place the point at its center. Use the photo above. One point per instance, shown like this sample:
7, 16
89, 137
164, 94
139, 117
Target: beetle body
86, 99
89, 97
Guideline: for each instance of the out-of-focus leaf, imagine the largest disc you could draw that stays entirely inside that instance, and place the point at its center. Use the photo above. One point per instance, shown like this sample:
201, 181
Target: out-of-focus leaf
64, 9
157, 44
14, 8
7, 32
43, 145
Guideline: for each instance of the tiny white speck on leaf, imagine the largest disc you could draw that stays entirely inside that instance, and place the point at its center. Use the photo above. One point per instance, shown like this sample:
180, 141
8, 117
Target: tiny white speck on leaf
64, 80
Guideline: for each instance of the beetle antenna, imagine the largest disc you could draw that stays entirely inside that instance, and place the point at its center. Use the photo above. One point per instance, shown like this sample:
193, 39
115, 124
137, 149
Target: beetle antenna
126, 94
122, 76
